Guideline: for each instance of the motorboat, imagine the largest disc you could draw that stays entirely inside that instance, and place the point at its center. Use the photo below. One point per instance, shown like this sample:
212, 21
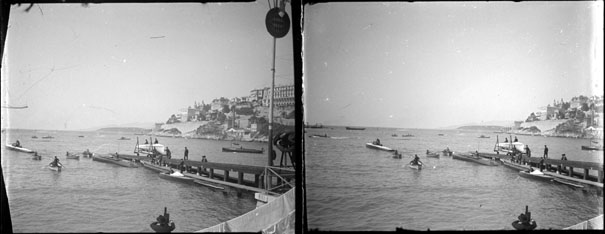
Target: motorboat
20, 149
378, 147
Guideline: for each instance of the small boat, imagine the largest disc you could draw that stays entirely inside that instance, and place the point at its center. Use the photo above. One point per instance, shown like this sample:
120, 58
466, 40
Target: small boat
124, 138
447, 152
20, 149
55, 168
475, 159
440, 134
145, 149
524, 221
355, 128
112, 159
81, 136
243, 150
416, 166
177, 176
394, 135
407, 135
397, 155
208, 185
316, 135
34, 137
535, 174
87, 154
483, 136
47, 137
163, 223
72, 156
599, 148
560, 181
432, 155
378, 147
37, 157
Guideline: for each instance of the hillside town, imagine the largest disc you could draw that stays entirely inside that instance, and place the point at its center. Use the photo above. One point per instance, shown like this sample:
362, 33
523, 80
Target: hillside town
239, 118
582, 116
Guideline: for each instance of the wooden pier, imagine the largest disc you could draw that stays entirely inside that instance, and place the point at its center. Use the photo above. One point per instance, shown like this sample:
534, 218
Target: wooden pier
207, 171
577, 171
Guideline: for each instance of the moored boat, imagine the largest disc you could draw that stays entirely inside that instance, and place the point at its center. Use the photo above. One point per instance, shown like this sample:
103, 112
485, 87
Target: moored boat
20, 149
475, 159
34, 137
177, 176
243, 150
378, 147
355, 128
565, 182
72, 156
483, 136
150, 149
447, 152
154, 167
124, 138
600, 148
316, 135
47, 137
432, 155
535, 174
114, 160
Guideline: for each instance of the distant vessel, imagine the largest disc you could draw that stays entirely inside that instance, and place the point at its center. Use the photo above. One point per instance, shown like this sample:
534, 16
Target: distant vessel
313, 126
355, 128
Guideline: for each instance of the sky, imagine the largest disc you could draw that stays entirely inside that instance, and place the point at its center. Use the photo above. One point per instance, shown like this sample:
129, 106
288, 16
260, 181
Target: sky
80, 67
439, 64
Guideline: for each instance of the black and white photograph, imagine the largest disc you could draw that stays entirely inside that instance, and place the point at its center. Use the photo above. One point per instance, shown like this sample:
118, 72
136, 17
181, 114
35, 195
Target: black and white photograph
148, 117
453, 115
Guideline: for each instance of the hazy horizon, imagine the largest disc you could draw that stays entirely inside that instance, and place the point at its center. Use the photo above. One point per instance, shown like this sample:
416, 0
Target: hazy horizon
78, 67
429, 65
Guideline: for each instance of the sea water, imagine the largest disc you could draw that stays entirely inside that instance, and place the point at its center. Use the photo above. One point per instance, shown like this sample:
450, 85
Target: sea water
91, 196
351, 187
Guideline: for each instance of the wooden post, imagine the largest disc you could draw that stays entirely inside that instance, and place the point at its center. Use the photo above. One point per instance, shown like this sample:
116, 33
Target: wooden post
570, 173
559, 169
586, 173
600, 179
240, 177
226, 175
260, 181
211, 173
256, 180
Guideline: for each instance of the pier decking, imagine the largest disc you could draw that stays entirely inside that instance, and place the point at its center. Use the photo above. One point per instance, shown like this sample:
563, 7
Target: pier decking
563, 169
205, 171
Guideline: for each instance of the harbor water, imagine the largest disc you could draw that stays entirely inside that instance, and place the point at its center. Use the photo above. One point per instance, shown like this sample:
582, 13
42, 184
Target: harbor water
91, 196
351, 187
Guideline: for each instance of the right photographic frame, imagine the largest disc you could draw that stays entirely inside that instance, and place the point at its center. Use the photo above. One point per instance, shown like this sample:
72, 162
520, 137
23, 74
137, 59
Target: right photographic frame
453, 115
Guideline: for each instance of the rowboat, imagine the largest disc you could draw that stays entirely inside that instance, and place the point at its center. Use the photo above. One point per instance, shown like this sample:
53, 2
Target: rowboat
479, 160
432, 155
355, 128
243, 150
560, 181
55, 168
113, 160
510, 147
163, 223
378, 147
72, 156
177, 176
20, 149
447, 152
415, 166
535, 174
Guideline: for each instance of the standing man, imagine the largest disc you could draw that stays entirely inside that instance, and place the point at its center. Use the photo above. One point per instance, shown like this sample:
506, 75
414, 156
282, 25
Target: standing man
545, 151
186, 156
167, 153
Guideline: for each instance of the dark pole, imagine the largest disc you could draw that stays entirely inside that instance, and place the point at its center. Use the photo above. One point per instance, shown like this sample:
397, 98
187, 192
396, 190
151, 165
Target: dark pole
270, 151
